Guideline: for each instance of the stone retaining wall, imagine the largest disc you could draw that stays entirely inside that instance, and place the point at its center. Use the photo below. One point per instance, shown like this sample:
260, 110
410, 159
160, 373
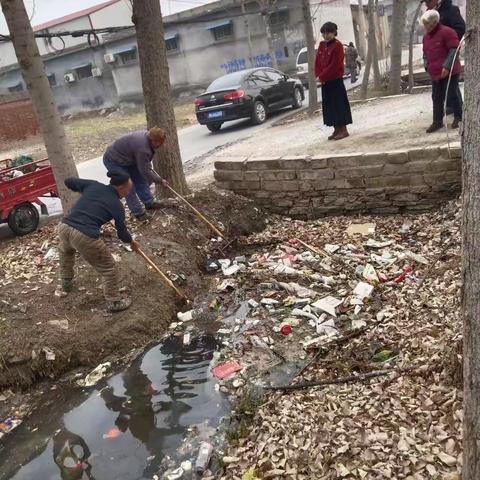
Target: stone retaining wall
387, 182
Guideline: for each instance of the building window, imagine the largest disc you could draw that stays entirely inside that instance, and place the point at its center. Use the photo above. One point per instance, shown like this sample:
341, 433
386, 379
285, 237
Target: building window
171, 43
85, 71
16, 88
52, 80
279, 17
128, 56
222, 31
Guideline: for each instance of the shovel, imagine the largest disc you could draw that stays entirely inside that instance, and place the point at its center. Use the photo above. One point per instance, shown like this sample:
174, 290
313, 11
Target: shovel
197, 213
166, 280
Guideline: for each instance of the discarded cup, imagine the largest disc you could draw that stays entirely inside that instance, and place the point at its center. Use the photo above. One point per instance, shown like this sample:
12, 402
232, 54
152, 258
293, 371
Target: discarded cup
286, 329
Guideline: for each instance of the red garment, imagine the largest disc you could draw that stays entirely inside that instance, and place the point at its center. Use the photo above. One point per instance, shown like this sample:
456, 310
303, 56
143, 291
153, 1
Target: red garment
329, 64
436, 47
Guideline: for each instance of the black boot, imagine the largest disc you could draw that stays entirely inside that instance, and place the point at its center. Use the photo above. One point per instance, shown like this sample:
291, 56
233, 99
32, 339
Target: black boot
434, 127
456, 123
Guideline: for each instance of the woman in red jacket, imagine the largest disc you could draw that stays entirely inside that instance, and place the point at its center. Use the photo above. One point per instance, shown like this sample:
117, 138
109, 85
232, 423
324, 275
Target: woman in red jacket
329, 69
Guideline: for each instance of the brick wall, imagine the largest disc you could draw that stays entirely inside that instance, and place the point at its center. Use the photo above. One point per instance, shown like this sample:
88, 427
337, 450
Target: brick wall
17, 119
311, 187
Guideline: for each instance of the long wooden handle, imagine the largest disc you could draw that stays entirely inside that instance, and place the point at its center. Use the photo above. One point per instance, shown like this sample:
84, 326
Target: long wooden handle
197, 213
164, 277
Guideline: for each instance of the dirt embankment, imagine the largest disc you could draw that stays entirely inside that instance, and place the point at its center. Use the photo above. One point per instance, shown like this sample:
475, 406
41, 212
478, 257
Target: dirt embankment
34, 323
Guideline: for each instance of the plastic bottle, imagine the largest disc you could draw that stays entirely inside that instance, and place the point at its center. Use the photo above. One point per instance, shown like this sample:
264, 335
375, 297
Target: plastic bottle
203, 457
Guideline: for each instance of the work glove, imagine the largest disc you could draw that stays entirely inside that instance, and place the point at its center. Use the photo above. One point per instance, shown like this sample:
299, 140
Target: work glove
135, 246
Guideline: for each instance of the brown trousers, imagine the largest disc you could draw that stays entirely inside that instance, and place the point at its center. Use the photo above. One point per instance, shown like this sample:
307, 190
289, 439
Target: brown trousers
93, 251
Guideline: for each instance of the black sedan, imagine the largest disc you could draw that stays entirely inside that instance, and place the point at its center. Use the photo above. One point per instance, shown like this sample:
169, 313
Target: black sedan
250, 93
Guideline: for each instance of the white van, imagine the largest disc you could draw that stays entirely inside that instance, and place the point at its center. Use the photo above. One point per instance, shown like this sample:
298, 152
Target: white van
302, 66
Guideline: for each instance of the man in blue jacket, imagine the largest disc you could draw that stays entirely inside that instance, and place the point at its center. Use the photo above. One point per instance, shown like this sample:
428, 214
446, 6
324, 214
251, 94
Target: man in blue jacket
132, 154
79, 231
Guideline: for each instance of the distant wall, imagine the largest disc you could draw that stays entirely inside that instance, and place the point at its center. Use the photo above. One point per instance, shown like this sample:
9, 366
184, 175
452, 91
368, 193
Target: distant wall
17, 118
387, 182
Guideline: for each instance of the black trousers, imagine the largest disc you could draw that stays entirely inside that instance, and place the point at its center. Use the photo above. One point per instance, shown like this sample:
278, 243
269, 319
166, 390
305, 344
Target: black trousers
439, 92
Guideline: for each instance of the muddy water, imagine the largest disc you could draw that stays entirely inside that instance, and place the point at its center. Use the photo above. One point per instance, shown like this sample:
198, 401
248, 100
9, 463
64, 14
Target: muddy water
124, 428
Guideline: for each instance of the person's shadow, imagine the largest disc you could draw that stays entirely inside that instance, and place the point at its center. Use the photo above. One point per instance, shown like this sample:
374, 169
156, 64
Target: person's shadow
71, 454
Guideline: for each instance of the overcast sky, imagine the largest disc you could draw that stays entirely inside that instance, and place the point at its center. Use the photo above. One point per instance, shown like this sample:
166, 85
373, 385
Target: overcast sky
45, 10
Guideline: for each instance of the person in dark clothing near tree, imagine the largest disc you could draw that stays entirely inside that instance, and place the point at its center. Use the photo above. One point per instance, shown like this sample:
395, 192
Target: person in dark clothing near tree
450, 16
329, 69
79, 232
132, 154
351, 55
439, 47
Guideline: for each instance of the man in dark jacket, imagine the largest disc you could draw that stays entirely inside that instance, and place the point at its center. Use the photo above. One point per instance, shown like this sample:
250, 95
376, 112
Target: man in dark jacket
79, 231
132, 154
351, 55
450, 15
439, 47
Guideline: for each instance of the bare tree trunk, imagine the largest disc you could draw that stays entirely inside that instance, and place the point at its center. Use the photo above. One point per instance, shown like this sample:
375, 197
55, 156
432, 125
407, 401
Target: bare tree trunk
147, 17
266, 9
413, 28
33, 72
471, 249
362, 44
398, 25
249, 35
366, 76
309, 37
268, 33
372, 45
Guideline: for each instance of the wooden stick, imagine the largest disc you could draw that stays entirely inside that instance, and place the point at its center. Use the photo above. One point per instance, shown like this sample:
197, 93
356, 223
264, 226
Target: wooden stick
312, 249
353, 378
164, 277
197, 213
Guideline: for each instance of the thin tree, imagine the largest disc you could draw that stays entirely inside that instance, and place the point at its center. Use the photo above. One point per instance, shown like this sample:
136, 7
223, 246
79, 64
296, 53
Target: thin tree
248, 32
372, 44
38, 86
267, 7
371, 47
413, 29
310, 39
398, 26
471, 249
147, 18
362, 47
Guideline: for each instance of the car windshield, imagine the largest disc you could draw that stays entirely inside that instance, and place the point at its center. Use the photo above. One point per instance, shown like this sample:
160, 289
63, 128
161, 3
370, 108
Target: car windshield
227, 81
302, 58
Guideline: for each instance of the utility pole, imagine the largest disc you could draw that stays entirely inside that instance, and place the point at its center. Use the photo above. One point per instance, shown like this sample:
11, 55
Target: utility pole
38, 87
310, 39
147, 18
471, 248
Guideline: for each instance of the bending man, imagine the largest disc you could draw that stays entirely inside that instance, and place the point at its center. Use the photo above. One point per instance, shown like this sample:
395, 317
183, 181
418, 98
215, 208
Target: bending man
79, 232
132, 155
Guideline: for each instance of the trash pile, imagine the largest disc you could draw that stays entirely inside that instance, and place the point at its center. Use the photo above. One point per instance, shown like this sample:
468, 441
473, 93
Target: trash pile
352, 320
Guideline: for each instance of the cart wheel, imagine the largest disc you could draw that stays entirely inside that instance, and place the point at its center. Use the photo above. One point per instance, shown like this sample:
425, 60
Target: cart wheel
23, 219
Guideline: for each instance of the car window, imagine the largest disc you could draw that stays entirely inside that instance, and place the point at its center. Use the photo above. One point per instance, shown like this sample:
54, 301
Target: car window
275, 76
260, 78
231, 80
302, 58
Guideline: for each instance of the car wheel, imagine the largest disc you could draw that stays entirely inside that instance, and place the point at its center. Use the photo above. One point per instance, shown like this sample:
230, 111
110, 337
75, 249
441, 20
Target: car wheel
23, 219
259, 113
297, 99
214, 127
